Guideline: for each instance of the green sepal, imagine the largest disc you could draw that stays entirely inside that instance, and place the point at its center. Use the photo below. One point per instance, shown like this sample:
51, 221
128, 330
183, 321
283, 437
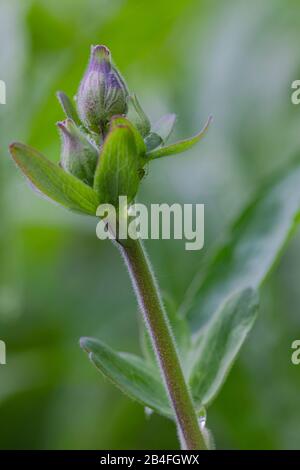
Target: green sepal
53, 182
178, 147
118, 121
68, 107
137, 116
117, 172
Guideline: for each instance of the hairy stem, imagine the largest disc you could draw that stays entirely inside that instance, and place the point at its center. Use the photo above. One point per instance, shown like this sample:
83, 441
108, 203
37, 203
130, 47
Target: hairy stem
155, 317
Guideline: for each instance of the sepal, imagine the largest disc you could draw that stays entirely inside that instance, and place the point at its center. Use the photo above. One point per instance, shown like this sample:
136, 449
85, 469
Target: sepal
179, 147
53, 182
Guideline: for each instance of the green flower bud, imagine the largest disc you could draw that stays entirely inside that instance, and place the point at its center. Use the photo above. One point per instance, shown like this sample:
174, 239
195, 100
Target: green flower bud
79, 154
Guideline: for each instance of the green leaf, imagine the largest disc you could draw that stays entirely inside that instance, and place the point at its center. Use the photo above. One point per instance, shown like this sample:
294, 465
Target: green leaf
254, 244
117, 171
131, 374
219, 345
53, 182
68, 107
180, 146
137, 116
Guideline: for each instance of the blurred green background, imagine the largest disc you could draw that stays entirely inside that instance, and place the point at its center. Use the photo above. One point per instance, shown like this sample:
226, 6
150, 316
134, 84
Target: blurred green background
234, 59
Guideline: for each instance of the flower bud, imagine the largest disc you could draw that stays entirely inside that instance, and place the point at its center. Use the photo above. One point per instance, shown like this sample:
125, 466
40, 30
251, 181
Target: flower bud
79, 155
102, 92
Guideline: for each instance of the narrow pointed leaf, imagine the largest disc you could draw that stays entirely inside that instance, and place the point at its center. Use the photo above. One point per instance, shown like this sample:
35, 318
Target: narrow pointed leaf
53, 182
180, 146
217, 348
117, 171
68, 107
137, 116
253, 245
131, 374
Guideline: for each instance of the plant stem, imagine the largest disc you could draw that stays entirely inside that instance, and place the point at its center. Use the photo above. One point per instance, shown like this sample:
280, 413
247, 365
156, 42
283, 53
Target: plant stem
156, 319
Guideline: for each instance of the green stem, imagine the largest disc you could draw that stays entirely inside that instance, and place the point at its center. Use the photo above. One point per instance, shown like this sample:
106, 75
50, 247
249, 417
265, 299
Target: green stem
155, 317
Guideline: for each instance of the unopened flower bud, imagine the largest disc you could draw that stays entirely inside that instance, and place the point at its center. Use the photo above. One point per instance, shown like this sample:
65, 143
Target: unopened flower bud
102, 92
79, 155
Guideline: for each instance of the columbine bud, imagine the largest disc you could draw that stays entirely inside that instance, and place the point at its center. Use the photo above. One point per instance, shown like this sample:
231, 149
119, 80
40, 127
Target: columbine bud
79, 155
102, 92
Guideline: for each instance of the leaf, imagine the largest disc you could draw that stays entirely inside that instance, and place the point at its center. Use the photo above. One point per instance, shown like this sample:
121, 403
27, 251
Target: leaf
137, 116
164, 126
68, 107
254, 244
219, 345
131, 374
53, 182
117, 171
180, 146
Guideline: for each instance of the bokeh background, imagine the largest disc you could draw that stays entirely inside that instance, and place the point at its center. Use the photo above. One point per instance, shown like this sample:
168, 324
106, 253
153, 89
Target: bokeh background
234, 59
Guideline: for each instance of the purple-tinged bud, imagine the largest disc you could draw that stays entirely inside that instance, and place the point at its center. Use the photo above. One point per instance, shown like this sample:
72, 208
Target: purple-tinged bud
79, 155
102, 92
